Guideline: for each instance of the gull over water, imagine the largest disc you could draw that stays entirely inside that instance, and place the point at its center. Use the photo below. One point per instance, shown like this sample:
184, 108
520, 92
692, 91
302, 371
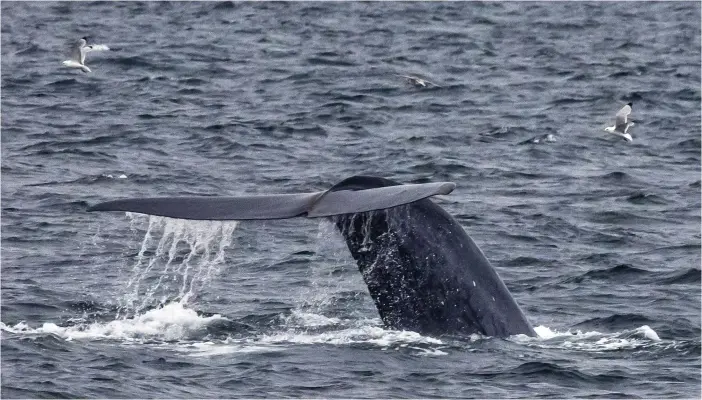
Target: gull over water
622, 123
418, 82
78, 52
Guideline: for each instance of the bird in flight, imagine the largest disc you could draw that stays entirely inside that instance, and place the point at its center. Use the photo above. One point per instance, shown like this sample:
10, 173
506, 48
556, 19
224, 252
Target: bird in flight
78, 52
418, 82
622, 124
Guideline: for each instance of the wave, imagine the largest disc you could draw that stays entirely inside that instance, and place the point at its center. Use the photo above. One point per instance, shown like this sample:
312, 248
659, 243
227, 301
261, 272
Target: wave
687, 94
137, 61
690, 276
688, 146
327, 60
63, 82
562, 374
619, 273
619, 217
616, 321
616, 176
646, 198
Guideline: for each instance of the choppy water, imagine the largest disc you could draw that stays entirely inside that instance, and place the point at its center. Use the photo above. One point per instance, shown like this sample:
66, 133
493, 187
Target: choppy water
598, 239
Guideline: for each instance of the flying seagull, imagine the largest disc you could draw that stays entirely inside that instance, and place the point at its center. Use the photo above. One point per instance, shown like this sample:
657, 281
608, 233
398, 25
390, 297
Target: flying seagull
418, 82
622, 124
78, 54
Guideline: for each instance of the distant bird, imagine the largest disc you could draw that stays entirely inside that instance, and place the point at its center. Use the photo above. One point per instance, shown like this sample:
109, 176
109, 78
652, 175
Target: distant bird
622, 124
419, 82
78, 54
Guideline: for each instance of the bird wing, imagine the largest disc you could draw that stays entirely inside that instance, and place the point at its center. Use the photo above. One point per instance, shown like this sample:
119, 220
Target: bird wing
77, 53
622, 115
97, 47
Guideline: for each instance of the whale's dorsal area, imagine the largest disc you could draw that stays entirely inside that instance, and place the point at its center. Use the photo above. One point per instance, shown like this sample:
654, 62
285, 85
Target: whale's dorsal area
423, 271
279, 206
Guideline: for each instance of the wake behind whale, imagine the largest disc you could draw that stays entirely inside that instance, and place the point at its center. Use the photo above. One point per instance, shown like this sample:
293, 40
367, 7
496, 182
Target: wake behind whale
424, 273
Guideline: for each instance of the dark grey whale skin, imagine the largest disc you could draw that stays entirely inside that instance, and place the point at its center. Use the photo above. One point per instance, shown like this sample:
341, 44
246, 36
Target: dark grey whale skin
424, 273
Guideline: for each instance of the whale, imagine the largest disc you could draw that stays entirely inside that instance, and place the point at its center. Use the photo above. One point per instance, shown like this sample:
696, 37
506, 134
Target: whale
423, 271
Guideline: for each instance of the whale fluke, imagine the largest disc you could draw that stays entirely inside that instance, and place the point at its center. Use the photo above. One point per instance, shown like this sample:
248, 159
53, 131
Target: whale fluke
274, 206
353, 201
279, 206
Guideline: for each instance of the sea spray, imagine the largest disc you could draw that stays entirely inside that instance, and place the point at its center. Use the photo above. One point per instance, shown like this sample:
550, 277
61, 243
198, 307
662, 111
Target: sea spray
176, 259
323, 282
335, 287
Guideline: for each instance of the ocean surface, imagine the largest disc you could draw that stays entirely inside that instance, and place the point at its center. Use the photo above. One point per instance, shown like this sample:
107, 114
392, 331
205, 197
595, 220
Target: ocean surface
597, 239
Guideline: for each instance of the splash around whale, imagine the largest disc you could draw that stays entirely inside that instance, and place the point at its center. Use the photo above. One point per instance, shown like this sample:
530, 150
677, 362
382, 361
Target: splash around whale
423, 271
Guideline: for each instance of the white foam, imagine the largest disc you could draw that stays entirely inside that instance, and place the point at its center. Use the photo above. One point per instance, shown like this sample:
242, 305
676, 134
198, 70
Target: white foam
648, 333
376, 336
229, 346
546, 333
429, 352
171, 322
363, 334
308, 319
590, 341
20, 327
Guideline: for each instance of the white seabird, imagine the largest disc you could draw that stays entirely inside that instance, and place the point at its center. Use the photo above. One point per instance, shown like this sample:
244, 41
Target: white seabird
419, 82
78, 54
622, 124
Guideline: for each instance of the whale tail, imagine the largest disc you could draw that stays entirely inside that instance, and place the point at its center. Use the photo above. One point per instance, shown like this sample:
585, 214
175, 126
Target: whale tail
421, 268
280, 206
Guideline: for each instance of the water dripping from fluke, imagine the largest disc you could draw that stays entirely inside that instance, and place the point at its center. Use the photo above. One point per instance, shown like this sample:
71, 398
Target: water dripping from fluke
176, 260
